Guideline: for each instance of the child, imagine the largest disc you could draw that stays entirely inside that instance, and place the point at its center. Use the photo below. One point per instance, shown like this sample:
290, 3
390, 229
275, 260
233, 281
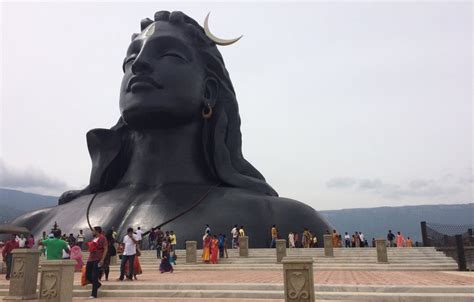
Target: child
173, 258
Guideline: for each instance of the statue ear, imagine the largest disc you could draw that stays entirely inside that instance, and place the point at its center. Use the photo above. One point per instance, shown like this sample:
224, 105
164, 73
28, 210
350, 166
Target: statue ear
211, 91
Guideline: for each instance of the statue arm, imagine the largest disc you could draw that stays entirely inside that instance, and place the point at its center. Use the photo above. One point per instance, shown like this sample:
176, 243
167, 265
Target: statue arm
70, 195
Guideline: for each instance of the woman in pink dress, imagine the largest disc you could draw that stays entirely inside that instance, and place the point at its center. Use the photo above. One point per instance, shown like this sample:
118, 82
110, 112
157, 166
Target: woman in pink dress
400, 240
77, 255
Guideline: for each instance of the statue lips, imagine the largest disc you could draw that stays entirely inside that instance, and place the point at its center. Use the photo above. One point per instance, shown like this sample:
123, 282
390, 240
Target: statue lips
140, 82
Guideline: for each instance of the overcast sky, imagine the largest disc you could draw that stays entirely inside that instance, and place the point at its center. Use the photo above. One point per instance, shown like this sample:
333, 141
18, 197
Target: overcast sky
343, 104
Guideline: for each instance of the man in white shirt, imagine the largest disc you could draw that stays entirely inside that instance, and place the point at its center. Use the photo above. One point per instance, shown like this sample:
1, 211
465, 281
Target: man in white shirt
139, 234
347, 240
362, 239
130, 242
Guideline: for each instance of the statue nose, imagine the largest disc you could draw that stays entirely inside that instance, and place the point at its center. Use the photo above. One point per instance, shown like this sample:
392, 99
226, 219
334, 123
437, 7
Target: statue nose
141, 66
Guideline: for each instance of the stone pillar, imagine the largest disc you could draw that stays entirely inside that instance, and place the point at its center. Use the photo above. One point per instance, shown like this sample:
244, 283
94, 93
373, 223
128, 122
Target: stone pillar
280, 249
298, 279
381, 246
244, 246
57, 280
191, 252
328, 248
24, 275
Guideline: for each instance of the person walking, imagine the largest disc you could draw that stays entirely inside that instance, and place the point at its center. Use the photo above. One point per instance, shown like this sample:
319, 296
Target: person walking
409, 242
335, 239
80, 239
165, 265
151, 239
214, 249
55, 246
390, 238
274, 235
159, 241
347, 240
111, 252
139, 234
362, 239
291, 240
221, 242
174, 241
206, 248
130, 242
98, 249
306, 238
235, 237
7, 255
400, 240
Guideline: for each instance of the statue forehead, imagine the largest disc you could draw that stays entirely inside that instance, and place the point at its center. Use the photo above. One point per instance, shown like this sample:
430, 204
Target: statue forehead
161, 28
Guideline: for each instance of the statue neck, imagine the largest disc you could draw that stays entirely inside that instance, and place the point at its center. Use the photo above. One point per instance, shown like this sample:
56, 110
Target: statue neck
167, 156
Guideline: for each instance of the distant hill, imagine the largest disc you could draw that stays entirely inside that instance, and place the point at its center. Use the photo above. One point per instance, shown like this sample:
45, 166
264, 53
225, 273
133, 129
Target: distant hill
375, 222
14, 203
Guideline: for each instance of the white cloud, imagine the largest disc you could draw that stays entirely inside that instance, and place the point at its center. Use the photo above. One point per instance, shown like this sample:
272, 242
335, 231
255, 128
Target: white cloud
29, 179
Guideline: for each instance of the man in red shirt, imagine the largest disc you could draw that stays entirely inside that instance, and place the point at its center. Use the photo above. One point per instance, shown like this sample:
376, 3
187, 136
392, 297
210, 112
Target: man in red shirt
98, 250
7, 255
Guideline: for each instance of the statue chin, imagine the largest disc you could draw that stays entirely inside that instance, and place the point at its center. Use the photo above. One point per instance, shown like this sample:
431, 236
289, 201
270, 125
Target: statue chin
153, 118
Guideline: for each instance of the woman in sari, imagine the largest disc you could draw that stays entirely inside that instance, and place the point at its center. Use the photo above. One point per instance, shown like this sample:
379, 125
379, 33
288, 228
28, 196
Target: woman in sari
214, 249
206, 247
400, 240
165, 265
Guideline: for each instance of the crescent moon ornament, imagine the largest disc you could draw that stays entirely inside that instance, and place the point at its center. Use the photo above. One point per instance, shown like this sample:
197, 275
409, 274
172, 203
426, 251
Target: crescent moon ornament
218, 41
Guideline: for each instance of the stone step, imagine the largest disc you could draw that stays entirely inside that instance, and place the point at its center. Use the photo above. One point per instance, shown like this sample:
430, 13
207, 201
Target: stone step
278, 294
276, 287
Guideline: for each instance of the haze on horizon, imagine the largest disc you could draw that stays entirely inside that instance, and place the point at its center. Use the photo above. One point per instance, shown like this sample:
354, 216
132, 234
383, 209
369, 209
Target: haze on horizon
343, 105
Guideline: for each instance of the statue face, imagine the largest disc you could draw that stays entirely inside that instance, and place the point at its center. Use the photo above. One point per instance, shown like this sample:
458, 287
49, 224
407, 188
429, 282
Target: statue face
163, 80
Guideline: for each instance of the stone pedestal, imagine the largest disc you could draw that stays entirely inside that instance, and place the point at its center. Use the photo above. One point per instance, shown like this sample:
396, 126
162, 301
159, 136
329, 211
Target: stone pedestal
381, 246
298, 279
244, 246
328, 248
280, 249
191, 252
24, 274
57, 280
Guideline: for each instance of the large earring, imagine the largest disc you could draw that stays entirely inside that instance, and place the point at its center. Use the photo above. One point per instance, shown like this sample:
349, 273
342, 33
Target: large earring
207, 112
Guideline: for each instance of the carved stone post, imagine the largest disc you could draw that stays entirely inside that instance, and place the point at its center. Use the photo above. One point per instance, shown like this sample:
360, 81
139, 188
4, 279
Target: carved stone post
191, 252
24, 274
57, 280
244, 246
381, 246
280, 249
298, 279
328, 248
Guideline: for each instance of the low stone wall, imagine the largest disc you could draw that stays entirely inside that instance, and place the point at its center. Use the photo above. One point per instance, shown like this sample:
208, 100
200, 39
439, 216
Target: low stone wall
468, 252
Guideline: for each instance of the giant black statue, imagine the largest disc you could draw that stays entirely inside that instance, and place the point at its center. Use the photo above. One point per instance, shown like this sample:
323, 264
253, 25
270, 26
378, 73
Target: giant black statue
174, 157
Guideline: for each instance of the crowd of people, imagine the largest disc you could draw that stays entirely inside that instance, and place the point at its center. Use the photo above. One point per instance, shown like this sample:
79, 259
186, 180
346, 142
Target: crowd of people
105, 245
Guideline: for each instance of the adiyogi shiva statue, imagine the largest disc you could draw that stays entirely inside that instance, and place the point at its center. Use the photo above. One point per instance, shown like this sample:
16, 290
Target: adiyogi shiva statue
174, 158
